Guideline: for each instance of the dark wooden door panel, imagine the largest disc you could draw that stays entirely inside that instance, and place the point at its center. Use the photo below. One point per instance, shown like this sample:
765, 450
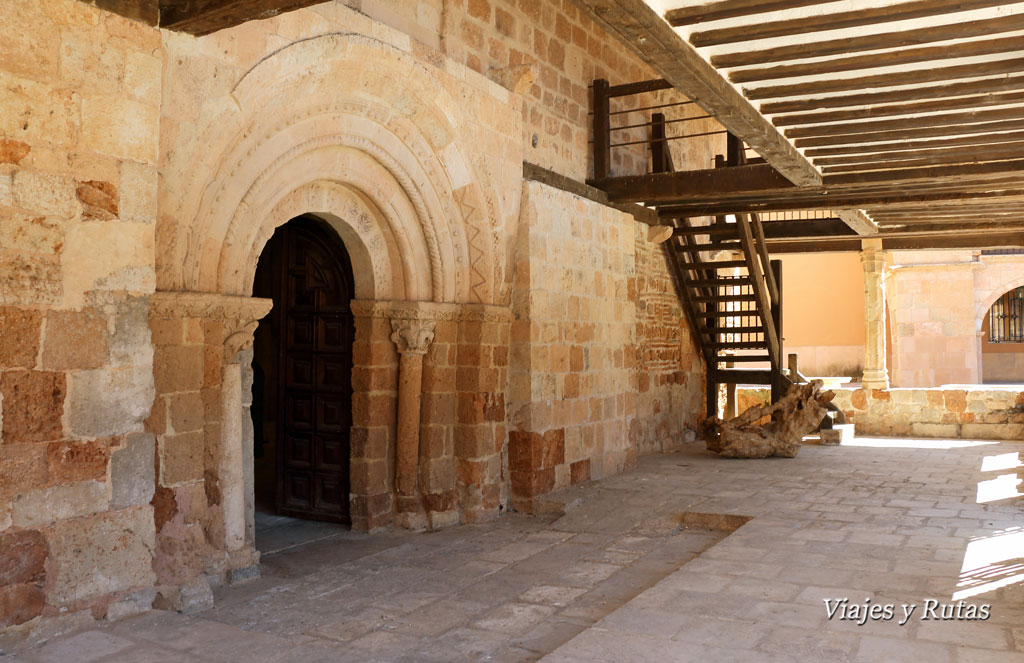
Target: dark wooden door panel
315, 390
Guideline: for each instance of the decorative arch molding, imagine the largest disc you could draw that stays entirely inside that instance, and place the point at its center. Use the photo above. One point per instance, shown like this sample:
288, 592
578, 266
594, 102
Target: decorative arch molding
981, 312
322, 121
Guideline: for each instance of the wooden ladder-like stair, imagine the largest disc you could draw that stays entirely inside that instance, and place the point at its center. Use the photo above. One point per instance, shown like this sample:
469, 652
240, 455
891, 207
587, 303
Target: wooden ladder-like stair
729, 289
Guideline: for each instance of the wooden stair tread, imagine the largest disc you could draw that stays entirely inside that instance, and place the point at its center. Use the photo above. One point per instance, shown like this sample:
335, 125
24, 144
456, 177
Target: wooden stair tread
715, 264
742, 297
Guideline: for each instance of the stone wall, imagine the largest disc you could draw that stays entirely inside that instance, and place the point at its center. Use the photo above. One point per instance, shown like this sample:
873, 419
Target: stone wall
974, 413
79, 109
557, 349
575, 378
669, 374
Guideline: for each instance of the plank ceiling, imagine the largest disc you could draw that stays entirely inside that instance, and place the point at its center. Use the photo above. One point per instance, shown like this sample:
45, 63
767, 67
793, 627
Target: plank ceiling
910, 110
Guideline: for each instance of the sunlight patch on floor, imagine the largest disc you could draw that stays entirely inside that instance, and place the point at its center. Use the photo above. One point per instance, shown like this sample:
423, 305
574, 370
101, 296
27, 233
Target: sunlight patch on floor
915, 443
991, 562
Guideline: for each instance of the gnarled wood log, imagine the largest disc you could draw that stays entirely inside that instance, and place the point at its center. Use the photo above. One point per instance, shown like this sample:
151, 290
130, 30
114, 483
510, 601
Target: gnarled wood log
796, 414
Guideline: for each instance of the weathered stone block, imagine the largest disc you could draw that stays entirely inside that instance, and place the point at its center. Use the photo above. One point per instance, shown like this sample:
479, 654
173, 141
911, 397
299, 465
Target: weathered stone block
40, 508
20, 603
102, 554
74, 340
45, 194
99, 199
19, 342
195, 596
181, 458
133, 604
178, 368
72, 461
131, 343
108, 402
22, 557
185, 411
33, 405
120, 127
132, 473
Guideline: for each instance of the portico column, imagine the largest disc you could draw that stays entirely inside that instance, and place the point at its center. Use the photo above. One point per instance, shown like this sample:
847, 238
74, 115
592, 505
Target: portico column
411, 338
872, 256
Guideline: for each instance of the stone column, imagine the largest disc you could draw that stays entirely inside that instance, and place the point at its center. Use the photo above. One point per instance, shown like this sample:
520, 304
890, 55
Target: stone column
876, 375
197, 339
411, 338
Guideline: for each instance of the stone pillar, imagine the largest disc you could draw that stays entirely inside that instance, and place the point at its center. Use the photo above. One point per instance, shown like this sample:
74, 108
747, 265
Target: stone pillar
872, 256
411, 338
198, 422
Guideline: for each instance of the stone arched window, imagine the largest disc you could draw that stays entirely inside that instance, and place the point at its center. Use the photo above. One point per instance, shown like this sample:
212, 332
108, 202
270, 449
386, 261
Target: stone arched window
1006, 318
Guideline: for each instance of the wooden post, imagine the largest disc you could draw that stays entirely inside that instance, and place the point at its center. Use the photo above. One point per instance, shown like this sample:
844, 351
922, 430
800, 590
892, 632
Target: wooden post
602, 130
659, 148
778, 384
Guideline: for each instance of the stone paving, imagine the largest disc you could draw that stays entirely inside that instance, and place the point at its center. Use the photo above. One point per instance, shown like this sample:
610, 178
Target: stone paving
622, 576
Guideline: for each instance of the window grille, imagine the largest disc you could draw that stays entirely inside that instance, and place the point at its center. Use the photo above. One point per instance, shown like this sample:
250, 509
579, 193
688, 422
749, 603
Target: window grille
1006, 318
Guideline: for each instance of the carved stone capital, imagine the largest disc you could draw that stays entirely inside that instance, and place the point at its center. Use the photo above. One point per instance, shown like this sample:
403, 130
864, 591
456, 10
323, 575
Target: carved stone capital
412, 336
239, 315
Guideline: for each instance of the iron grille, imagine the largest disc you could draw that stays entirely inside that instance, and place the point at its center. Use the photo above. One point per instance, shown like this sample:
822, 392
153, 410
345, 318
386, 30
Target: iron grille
1006, 318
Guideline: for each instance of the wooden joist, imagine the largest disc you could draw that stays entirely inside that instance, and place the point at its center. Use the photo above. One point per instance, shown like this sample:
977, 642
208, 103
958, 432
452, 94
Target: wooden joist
964, 119
925, 54
871, 41
986, 128
839, 20
715, 11
994, 150
920, 75
984, 85
903, 145
712, 181
889, 110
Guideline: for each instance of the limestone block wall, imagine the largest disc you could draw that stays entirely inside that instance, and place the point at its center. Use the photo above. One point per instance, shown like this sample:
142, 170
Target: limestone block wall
930, 300
975, 413
669, 376
581, 401
79, 109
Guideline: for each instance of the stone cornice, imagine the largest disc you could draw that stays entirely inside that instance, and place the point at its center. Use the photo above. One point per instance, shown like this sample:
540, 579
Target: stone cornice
239, 315
209, 306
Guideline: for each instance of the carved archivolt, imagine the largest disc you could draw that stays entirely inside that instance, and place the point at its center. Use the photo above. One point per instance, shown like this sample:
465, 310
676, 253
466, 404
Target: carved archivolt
271, 135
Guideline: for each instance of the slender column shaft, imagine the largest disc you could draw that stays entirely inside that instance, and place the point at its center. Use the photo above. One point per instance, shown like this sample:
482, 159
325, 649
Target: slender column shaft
412, 338
876, 375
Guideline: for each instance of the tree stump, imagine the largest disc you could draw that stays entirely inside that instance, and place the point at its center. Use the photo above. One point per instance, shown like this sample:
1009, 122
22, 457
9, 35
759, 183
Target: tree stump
796, 414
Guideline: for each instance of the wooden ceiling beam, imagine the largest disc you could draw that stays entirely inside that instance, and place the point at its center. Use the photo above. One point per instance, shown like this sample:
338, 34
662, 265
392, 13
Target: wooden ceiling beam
989, 128
885, 59
941, 120
903, 243
656, 43
938, 175
681, 184
799, 228
903, 145
956, 103
870, 200
912, 77
983, 86
871, 42
948, 160
201, 17
839, 20
714, 11
969, 151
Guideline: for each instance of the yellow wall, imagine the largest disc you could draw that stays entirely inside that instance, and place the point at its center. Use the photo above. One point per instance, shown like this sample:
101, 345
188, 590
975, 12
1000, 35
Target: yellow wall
823, 299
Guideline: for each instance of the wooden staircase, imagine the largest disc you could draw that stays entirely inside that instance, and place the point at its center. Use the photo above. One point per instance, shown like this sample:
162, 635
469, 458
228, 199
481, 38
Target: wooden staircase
729, 289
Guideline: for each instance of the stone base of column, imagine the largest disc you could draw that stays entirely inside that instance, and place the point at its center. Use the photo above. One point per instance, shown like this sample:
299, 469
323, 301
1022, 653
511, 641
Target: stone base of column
371, 513
875, 379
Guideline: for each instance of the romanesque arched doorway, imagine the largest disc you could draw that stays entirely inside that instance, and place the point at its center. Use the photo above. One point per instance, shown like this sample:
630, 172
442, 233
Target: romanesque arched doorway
302, 373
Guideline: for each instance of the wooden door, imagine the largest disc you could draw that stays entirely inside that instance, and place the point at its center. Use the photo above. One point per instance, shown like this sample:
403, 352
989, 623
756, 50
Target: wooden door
314, 383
